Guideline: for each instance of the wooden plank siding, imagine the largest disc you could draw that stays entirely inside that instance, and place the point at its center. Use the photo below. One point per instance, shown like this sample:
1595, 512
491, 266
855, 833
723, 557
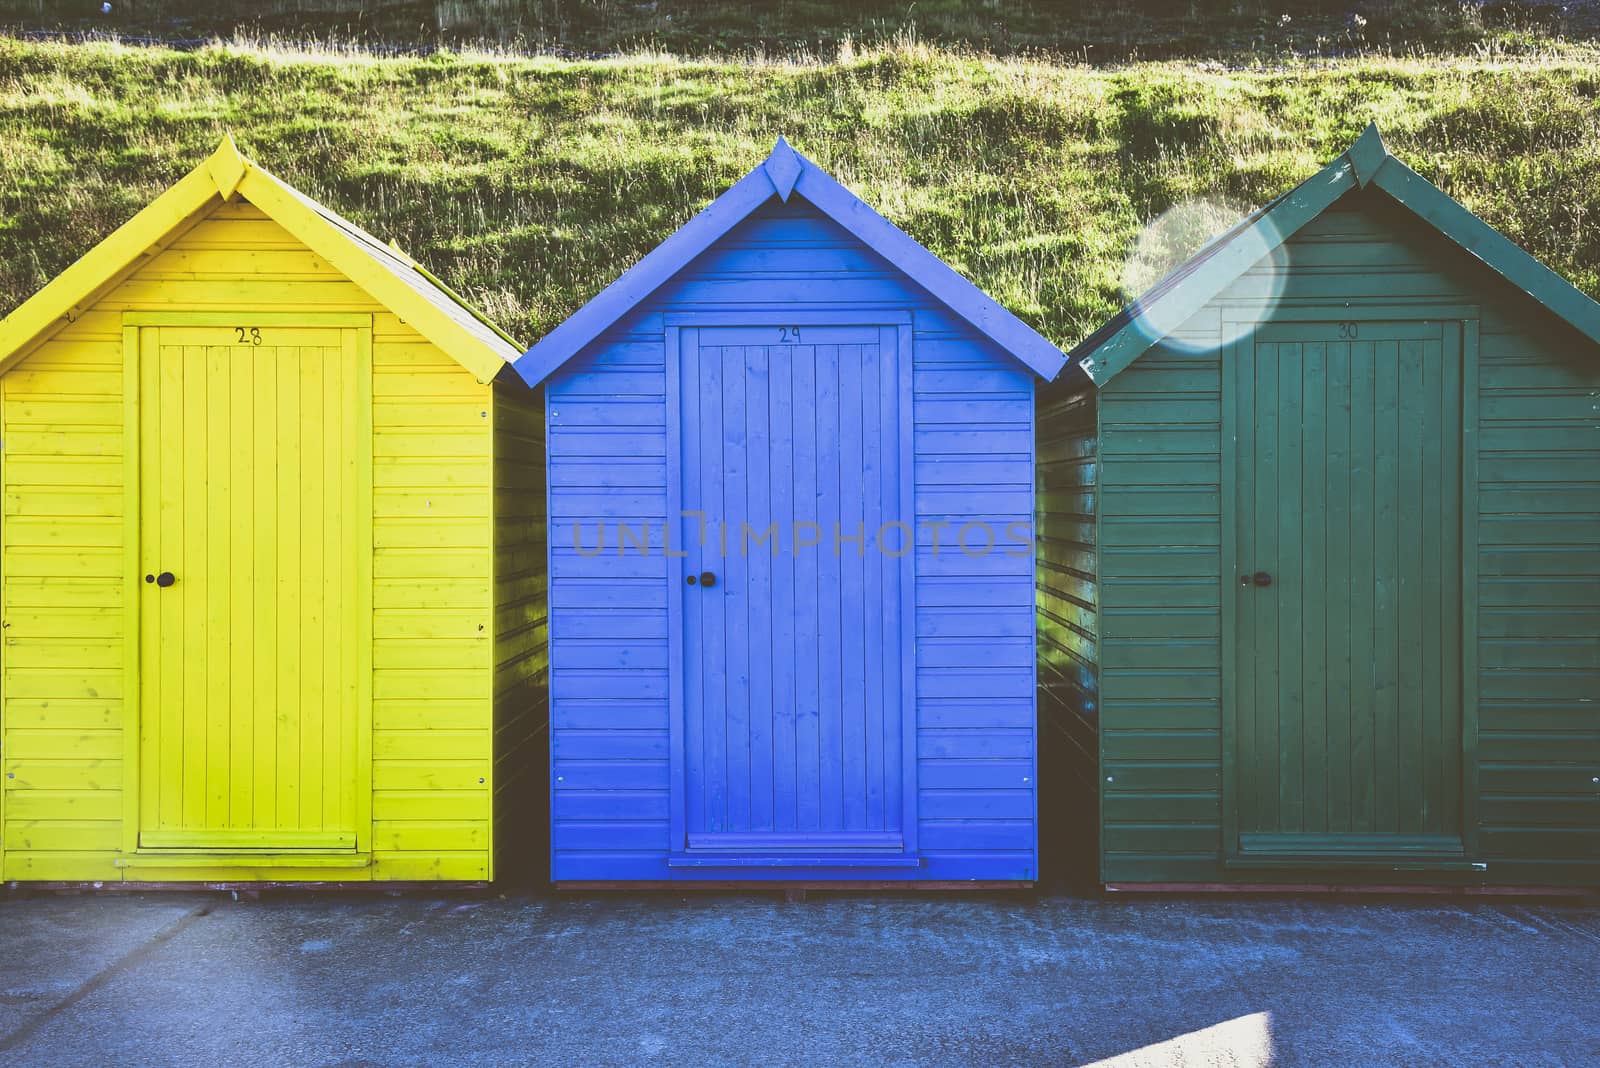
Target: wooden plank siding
62, 600
973, 426
433, 613
1538, 551
1069, 625
63, 573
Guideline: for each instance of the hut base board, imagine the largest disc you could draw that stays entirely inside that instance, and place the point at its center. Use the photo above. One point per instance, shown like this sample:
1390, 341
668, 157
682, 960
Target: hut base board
238, 886
1349, 890
842, 886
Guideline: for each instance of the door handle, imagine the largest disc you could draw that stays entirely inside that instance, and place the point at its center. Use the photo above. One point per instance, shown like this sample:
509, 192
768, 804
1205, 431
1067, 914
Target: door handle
1262, 578
165, 579
708, 579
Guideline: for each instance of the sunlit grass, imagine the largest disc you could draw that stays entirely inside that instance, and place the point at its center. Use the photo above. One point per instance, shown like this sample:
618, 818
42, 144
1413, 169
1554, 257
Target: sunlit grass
528, 183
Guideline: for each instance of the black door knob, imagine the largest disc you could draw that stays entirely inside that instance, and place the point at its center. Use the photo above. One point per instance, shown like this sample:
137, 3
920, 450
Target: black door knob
708, 579
165, 579
1262, 578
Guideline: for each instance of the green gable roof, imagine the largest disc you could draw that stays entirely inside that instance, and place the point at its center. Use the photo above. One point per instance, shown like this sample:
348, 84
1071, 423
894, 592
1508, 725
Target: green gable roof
1366, 164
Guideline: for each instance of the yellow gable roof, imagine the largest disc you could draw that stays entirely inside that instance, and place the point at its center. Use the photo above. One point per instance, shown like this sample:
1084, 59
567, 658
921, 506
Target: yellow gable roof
390, 277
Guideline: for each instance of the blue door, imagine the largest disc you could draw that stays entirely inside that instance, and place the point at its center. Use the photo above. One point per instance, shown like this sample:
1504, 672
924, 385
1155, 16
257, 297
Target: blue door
793, 742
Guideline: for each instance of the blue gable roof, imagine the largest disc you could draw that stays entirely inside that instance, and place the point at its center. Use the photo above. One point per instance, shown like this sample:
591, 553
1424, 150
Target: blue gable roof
784, 173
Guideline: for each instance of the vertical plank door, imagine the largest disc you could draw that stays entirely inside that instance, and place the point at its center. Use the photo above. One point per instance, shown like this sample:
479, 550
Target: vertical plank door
248, 591
791, 452
1347, 726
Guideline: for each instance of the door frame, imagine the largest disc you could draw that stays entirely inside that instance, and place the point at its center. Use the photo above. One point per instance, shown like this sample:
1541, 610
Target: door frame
1240, 326
675, 324
357, 328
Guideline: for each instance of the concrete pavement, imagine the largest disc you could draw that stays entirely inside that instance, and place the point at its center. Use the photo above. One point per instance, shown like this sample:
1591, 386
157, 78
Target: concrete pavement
486, 979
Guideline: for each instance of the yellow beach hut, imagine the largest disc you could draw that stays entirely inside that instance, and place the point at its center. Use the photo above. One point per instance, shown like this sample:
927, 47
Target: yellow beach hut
265, 616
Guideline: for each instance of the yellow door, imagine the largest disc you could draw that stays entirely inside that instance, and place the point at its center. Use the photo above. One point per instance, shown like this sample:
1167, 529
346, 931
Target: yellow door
250, 586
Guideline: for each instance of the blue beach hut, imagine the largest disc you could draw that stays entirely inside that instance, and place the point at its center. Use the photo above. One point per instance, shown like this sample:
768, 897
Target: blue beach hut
790, 497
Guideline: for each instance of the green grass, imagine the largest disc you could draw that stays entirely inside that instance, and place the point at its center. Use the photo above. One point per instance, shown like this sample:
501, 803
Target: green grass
530, 183
1089, 30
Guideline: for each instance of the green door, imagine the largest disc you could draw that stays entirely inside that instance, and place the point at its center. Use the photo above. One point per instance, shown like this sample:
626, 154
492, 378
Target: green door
1345, 665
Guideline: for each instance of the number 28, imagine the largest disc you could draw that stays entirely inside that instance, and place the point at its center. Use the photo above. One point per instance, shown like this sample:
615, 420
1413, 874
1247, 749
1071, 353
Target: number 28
247, 335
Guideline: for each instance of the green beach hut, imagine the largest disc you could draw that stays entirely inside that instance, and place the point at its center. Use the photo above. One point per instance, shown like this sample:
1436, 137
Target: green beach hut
1320, 555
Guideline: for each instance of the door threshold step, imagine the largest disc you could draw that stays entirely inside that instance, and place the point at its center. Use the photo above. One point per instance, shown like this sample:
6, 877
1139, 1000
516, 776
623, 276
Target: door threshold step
798, 860
244, 860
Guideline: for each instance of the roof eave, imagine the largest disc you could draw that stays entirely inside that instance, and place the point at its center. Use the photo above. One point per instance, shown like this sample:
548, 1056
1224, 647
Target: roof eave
1304, 203
484, 361
119, 254
1367, 163
949, 287
635, 284
1489, 246
783, 173
223, 175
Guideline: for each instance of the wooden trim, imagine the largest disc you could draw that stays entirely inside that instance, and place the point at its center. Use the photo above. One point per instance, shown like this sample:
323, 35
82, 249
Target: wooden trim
246, 842
1274, 226
958, 294
644, 277
1033, 612
781, 843
252, 888
1468, 332
1312, 311
256, 318
796, 861
103, 265
362, 515
1346, 889
905, 356
843, 886
1367, 154
132, 520
677, 768
1092, 398
841, 206
545, 402
224, 859
3, 790
1227, 593
1490, 247
221, 176
785, 314
491, 651
1366, 162
313, 228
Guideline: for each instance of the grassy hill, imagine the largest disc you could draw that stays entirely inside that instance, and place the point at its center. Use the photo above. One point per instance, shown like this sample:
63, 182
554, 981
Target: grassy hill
530, 183
1088, 30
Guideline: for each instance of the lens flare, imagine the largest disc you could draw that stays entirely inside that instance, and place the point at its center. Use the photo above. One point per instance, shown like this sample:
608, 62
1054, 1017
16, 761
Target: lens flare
1217, 230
